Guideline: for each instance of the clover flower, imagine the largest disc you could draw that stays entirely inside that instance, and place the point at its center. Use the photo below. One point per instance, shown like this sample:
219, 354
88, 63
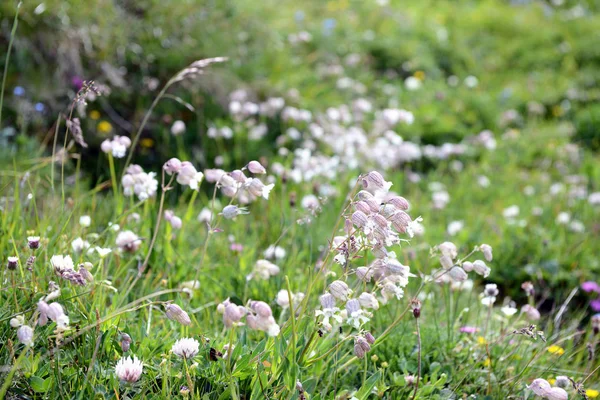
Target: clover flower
186, 348
136, 181
128, 241
117, 146
129, 369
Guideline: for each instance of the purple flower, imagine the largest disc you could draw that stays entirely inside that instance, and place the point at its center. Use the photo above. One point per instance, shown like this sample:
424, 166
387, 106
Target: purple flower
595, 304
468, 329
590, 286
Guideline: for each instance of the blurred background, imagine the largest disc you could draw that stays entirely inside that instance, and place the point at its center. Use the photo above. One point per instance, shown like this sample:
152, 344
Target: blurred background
301, 76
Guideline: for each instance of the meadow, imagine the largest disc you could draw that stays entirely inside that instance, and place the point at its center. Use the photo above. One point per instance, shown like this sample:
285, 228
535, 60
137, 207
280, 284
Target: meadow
273, 200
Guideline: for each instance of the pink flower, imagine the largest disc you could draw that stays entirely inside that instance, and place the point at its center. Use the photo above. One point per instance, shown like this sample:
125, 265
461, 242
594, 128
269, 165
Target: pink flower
590, 286
468, 329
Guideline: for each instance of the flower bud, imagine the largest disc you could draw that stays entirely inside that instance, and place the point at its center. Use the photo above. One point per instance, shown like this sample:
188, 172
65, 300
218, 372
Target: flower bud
256, 168
362, 206
352, 306
364, 273
25, 335
532, 313
446, 262
468, 266
125, 342
367, 300
379, 220
340, 290
176, 313
458, 274
327, 301
370, 338
261, 308
480, 268
448, 249
486, 249
17, 321
399, 202
359, 219
238, 176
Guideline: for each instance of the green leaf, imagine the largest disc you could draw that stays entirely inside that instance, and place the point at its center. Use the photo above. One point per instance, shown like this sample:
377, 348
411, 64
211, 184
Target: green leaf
40, 385
366, 389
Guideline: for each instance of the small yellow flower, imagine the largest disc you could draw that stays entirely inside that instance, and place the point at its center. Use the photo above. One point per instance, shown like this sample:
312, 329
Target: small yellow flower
94, 115
592, 393
554, 349
551, 381
487, 362
420, 75
104, 127
481, 340
147, 142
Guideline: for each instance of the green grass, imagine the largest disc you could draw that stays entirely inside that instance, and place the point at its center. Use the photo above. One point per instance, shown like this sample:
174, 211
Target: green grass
545, 163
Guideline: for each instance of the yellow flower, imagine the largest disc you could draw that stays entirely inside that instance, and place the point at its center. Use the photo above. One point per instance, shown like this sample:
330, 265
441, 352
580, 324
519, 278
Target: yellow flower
104, 127
420, 75
147, 142
554, 349
481, 340
487, 362
94, 115
551, 381
592, 393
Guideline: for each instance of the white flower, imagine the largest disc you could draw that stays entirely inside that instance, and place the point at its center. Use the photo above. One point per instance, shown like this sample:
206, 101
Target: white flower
129, 369
264, 269
454, 227
186, 348
136, 181
128, 241
205, 215
276, 252
79, 245
17, 321
102, 252
511, 212
85, 221
117, 146
283, 298
508, 310
327, 314
62, 263
177, 128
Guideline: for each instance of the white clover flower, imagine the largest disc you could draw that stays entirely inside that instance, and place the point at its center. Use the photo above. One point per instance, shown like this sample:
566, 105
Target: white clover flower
264, 269
136, 181
85, 221
62, 263
276, 252
186, 348
129, 369
79, 245
283, 298
117, 146
178, 128
128, 241
454, 227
